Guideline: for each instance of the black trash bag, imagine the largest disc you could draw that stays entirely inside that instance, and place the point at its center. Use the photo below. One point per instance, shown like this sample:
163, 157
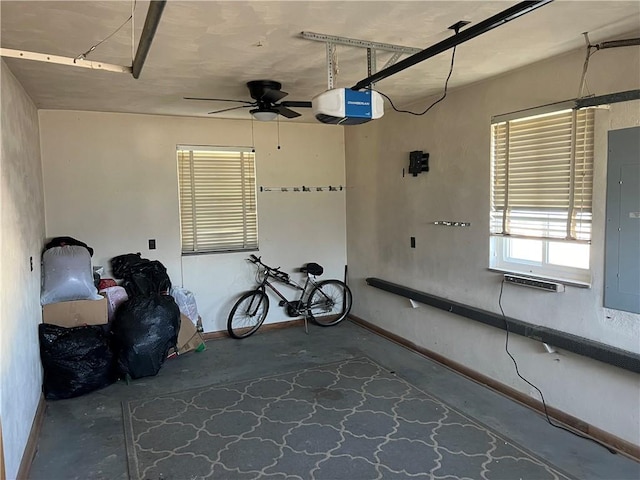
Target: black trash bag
140, 276
147, 279
62, 241
75, 360
144, 330
122, 264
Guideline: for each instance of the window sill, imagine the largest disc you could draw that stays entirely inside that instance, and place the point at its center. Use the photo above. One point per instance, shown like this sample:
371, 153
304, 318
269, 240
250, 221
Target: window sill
216, 252
568, 283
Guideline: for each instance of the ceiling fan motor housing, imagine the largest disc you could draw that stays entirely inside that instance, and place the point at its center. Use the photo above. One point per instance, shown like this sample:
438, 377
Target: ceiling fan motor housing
264, 90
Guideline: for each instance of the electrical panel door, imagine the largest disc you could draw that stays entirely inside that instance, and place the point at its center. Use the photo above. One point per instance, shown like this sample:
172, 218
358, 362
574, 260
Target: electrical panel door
622, 242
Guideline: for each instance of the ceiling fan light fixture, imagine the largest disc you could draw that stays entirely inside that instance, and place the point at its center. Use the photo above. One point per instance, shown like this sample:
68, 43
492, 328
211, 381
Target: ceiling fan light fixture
264, 115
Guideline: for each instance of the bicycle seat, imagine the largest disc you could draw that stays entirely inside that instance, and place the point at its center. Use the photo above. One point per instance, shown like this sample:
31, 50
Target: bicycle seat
312, 269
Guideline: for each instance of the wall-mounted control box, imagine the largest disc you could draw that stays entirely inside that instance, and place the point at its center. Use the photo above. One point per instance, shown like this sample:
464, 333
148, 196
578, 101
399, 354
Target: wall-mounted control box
418, 162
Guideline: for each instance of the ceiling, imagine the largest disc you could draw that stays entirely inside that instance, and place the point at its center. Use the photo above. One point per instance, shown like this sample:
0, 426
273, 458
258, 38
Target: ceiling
212, 48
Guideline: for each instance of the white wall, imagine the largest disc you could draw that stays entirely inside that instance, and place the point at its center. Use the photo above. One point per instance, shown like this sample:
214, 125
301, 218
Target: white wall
384, 210
111, 181
22, 237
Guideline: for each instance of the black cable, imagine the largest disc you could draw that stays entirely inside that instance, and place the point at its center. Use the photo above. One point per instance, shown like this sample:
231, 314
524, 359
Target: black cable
544, 403
444, 93
82, 56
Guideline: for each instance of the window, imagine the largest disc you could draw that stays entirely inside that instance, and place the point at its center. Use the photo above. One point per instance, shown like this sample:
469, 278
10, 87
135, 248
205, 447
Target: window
542, 182
217, 199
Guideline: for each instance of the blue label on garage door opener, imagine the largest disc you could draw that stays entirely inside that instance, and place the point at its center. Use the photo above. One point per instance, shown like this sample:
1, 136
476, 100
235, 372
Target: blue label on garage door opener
357, 104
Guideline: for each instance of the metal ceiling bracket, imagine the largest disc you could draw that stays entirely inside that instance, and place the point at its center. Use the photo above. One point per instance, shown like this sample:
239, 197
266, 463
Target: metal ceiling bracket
394, 58
372, 48
371, 63
490, 23
331, 51
353, 42
73, 62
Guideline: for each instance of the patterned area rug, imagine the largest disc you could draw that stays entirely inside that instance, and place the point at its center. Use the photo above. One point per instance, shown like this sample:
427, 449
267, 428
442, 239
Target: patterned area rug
348, 420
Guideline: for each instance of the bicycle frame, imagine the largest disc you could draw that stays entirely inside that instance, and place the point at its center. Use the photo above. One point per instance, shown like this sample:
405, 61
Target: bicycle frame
294, 304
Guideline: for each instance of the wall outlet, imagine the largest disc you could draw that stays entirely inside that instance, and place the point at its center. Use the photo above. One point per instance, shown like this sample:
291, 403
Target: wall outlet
152, 244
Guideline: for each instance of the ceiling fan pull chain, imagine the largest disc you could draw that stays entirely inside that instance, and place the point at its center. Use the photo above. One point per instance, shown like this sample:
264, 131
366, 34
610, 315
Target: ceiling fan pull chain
253, 143
278, 122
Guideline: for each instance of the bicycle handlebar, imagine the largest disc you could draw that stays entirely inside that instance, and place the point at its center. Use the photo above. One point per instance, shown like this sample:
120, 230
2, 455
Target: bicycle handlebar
257, 260
274, 272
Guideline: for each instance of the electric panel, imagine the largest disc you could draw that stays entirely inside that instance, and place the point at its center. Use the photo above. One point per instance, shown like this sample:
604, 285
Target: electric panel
622, 242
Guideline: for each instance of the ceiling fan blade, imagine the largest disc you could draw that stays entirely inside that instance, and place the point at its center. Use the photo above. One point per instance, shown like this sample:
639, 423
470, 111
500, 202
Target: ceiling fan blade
272, 96
218, 100
285, 112
295, 104
229, 109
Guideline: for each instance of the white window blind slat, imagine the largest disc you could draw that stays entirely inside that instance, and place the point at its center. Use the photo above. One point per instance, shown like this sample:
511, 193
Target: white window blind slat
218, 208
542, 176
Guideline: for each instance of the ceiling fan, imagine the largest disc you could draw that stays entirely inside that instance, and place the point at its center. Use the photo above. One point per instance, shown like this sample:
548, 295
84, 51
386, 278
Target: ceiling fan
265, 107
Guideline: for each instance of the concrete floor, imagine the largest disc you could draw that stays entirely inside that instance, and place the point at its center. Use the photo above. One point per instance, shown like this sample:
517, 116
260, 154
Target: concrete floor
83, 438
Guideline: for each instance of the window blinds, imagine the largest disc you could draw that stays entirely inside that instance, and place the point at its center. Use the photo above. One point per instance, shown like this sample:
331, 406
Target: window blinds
542, 176
217, 199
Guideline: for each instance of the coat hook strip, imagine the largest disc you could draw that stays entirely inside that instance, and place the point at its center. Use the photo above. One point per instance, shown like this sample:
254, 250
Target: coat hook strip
447, 223
303, 188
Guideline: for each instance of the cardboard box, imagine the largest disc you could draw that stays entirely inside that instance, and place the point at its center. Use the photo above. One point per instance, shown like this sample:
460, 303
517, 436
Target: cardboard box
76, 313
188, 338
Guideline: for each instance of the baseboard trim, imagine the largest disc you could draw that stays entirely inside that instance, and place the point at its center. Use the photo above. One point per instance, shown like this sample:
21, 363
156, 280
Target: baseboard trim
32, 443
264, 328
617, 443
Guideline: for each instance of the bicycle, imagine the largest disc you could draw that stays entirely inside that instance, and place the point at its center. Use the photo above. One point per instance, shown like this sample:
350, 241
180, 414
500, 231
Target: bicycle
325, 303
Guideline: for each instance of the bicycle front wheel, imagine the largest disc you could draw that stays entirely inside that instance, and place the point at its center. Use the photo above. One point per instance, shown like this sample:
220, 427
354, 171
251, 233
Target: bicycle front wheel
248, 314
329, 303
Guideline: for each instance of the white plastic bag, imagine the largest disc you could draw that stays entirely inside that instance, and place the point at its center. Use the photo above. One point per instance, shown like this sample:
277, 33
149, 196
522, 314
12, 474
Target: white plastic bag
116, 296
67, 275
187, 303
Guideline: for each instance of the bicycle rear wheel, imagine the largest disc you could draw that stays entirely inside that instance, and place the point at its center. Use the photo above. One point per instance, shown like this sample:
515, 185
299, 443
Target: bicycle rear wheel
329, 303
247, 314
